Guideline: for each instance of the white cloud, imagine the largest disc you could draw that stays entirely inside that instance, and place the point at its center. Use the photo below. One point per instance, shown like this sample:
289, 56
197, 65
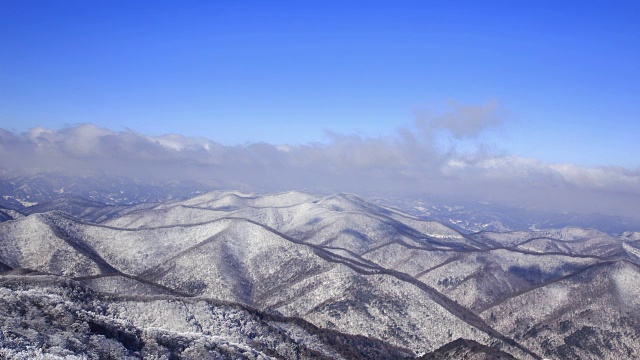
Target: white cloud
463, 121
400, 165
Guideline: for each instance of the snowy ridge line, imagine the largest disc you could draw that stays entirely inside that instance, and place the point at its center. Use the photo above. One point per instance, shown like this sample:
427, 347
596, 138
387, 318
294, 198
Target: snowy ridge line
299, 279
333, 257
453, 307
366, 203
103, 265
514, 249
565, 277
417, 238
534, 231
405, 229
198, 207
250, 196
151, 206
401, 228
400, 213
577, 241
396, 224
135, 278
158, 271
448, 248
165, 288
83, 222
416, 218
446, 262
81, 247
550, 253
565, 245
93, 277
378, 247
408, 232
254, 196
431, 249
231, 193
360, 258
632, 250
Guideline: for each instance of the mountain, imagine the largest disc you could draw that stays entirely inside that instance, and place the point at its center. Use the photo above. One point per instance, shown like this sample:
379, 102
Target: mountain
472, 217
19, 190
593, 314
358, 270
85, 209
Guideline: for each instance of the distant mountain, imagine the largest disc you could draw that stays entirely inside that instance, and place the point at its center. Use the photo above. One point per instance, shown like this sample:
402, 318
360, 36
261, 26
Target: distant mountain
407, 285
85, 209
472, 217
19, 190
26, 189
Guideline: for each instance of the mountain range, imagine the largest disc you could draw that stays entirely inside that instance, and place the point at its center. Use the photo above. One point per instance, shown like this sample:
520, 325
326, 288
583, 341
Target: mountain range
23, 190
294, 275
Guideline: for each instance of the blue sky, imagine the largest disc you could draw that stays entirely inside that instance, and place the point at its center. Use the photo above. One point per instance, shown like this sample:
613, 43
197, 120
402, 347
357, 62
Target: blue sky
567, 72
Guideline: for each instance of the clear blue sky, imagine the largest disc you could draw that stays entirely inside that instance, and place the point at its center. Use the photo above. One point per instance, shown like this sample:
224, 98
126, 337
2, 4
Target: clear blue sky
283, 71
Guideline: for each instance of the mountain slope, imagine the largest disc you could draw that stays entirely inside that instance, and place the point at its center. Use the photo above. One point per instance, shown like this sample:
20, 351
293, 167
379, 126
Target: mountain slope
57, 317
603, 324
9, 214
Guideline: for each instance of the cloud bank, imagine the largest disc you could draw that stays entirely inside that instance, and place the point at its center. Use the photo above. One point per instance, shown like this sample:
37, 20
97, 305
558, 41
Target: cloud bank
406, 163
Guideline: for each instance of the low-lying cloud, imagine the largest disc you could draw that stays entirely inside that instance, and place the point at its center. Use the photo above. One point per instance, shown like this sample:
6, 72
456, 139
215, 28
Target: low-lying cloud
406, 163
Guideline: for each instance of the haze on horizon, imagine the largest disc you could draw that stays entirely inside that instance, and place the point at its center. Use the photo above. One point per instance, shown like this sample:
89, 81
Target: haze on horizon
533, 104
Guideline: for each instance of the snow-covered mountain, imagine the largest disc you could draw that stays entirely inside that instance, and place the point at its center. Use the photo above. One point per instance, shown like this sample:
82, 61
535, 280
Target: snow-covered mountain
19, 190
33, 190
472, 217
48, 316
294, 275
